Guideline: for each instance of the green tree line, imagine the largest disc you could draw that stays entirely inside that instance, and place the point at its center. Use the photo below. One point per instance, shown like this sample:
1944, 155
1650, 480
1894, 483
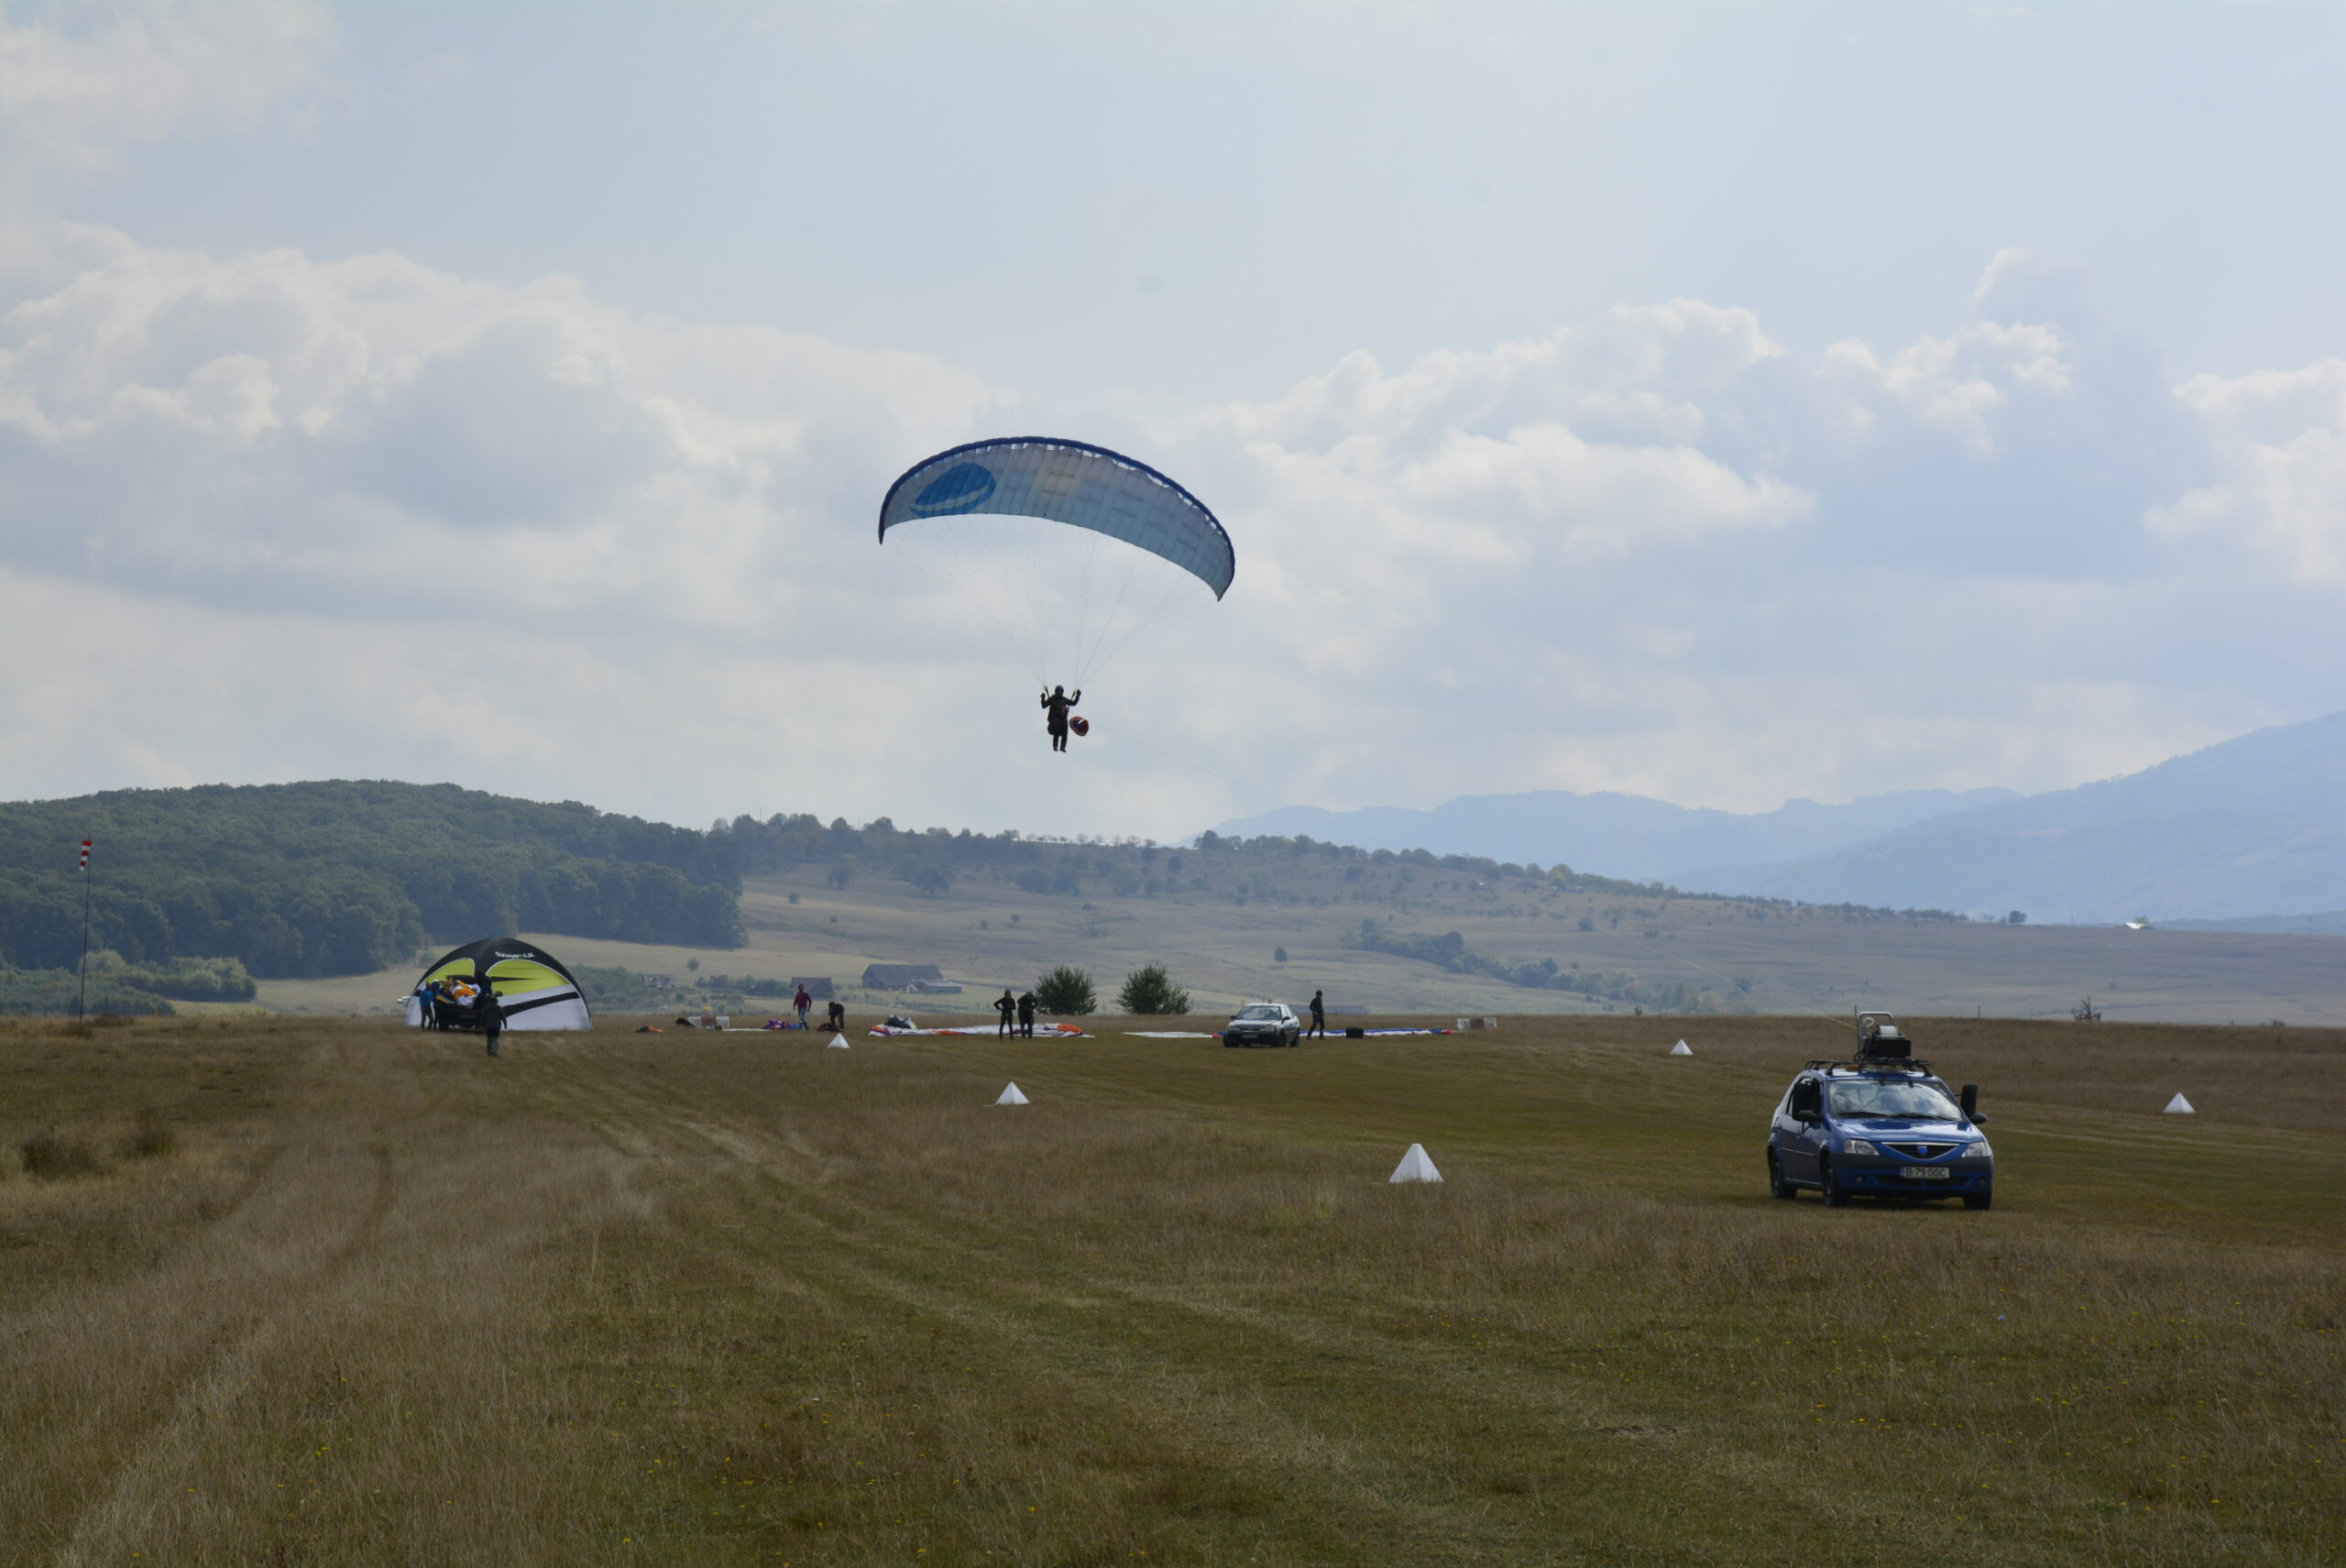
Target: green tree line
344, 877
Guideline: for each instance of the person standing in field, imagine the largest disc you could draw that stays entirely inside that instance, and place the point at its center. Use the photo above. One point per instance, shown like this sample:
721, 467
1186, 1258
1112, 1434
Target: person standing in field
492, 1017
1026, 1015
1319, 1015
1008, 1008
804, 1001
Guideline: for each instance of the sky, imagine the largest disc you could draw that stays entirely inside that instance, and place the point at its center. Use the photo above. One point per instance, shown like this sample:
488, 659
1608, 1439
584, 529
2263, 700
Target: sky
1720, 403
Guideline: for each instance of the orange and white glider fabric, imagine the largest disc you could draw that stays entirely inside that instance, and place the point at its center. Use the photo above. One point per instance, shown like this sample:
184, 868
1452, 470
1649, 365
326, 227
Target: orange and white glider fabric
987, 1032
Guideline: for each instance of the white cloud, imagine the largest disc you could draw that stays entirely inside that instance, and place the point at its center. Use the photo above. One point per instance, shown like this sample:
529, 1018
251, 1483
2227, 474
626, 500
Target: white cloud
267, 516
269, 428
77, 92
2282, 438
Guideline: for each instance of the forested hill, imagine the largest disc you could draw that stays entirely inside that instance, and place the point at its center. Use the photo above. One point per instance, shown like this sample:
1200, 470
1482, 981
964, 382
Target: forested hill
346, 876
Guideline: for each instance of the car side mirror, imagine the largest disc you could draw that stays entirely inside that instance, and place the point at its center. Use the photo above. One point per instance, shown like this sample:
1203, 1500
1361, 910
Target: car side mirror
1806, 1117
1971, 1102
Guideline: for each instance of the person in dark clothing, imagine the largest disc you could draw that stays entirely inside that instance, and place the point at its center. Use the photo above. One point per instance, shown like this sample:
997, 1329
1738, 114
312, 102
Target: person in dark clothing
492, 1013
1026, 1015
836, 1021
1008, 1008
1319, 1015
1056, 703
803, 1001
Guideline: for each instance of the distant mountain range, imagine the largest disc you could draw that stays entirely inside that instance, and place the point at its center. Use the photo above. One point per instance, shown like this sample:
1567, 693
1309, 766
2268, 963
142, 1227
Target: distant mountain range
2252, 826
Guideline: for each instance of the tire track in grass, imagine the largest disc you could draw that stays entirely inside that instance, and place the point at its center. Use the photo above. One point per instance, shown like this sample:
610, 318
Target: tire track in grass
1252, 1350
997, 1283
449, 1221
120, 1371
866, 1278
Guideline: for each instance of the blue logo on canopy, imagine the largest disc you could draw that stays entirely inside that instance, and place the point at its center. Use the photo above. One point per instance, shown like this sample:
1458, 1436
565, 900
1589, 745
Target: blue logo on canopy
964, 486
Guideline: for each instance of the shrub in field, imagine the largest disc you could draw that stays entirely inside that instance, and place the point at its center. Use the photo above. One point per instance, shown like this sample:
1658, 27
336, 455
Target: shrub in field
1149, 989
149, 1137
54, 1157
1066, 992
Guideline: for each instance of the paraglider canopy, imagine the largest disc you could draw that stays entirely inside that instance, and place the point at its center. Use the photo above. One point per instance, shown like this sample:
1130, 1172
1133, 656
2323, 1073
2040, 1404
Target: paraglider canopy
533, 989
1070, 482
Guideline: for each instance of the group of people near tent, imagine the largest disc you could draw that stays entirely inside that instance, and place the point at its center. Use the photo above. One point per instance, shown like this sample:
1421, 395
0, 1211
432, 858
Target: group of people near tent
458, 1002
496, 984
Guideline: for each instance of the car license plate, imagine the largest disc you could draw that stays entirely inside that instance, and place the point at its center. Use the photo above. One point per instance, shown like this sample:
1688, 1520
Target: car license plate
1924, 1172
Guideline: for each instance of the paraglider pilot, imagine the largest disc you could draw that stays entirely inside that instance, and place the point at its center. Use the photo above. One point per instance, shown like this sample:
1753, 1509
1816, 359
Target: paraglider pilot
1056, 703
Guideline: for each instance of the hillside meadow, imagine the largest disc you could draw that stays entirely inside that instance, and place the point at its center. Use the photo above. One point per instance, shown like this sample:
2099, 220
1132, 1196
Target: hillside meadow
282, 1290
1222, 941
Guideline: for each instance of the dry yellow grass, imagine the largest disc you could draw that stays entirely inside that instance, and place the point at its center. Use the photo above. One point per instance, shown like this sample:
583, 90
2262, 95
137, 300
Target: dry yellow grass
709, 1299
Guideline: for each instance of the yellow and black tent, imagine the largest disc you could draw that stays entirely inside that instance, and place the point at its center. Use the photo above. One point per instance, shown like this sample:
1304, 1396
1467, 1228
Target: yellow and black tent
533, 989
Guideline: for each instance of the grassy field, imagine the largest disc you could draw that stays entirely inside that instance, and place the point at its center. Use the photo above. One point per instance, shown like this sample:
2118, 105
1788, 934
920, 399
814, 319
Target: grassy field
323, 1291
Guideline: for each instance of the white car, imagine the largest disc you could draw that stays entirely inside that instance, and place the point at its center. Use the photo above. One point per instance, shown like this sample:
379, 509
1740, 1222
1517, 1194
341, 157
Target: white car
1264, 1024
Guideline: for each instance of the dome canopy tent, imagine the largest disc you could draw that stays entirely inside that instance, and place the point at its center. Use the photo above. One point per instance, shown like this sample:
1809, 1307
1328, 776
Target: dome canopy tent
531, 985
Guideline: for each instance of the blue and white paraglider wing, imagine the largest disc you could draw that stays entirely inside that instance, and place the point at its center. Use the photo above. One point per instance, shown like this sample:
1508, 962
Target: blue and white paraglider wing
1070, 482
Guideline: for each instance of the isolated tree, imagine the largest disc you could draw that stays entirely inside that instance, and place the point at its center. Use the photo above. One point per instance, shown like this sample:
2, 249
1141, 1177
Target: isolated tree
1150, 989
2017, 918
692, 964
1279, 955
839, 876
1066, 992
933, 878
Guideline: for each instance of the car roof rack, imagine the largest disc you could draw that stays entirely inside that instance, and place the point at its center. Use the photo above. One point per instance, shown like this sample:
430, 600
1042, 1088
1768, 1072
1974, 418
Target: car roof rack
1872, 1064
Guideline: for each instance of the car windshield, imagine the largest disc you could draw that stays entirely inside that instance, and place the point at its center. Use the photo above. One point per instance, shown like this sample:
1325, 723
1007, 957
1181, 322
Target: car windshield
1906, 1099
1260, 1013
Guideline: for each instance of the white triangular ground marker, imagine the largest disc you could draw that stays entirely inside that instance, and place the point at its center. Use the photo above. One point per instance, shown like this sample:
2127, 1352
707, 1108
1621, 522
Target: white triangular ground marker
2179, 1106
838, 1043
1416, 1167
1011, 1096
1681, 1049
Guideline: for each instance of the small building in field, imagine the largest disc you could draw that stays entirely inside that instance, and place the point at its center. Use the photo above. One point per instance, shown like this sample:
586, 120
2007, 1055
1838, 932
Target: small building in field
818, 986
899, 977
659, 982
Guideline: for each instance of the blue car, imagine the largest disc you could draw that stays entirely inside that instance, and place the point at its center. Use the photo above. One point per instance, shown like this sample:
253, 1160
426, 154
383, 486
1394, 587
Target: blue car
1881, 1125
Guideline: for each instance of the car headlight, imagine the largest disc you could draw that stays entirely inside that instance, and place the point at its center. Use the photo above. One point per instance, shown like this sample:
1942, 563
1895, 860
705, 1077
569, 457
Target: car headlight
1857, 1146
1979, 1151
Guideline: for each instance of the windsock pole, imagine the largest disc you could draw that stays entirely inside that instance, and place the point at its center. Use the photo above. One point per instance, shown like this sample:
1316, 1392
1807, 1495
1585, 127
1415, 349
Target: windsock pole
82, 1003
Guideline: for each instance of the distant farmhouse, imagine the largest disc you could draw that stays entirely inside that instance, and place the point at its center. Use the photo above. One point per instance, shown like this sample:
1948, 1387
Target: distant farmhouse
659, 982
899, 976
817, 986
